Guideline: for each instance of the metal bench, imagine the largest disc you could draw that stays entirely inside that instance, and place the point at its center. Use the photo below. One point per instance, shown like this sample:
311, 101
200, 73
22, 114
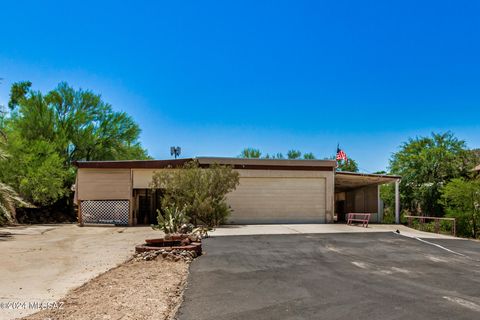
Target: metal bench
358, 218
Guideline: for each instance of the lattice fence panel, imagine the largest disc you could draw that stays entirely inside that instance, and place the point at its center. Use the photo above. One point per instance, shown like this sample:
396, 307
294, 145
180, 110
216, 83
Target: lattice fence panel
105, 211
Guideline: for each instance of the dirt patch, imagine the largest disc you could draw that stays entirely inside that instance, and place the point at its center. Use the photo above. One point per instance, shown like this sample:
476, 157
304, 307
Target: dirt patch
43, 262
135, 290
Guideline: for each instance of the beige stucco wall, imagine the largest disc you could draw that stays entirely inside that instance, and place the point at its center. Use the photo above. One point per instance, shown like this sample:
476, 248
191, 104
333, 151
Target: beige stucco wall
263, 196
104, 184
142, 178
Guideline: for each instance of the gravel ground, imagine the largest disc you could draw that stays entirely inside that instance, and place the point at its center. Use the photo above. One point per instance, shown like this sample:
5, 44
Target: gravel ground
135, 290
41, 263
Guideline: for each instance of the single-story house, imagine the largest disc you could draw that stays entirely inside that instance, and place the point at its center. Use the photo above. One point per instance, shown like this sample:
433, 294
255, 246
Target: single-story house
270, 191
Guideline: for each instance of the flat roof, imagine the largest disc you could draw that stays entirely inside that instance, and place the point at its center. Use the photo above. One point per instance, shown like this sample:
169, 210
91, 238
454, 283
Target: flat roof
344, 181
237, 163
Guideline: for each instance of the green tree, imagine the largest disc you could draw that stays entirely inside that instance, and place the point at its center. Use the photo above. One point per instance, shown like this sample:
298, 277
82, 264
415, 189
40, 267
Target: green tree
9, 198
461, 199
426, 164
342, 165
250, 153
309, 156
38, 172
47, 133
278, 155
199, 192
294, 154
291, 154
82, 125
350, 165
474, 158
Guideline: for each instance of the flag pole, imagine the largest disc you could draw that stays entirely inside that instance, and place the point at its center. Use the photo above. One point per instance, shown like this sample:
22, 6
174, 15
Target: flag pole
336, 152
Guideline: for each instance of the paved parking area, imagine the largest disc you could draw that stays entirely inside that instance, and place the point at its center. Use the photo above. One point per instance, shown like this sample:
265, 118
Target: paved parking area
334, 276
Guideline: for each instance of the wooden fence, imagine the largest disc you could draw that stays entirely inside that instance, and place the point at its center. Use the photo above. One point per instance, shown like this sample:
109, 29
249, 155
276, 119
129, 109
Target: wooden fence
437, 220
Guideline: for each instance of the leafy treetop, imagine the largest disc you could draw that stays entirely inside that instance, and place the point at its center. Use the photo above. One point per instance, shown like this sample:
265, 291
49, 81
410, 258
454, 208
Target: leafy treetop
426, 164
48, 132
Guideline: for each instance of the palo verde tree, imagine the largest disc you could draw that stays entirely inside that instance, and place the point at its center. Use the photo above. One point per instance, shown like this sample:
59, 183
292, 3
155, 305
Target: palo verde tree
253, 153
250, 153
309, 156
48, 132
277, 155
294, 154
83, 125
9, 198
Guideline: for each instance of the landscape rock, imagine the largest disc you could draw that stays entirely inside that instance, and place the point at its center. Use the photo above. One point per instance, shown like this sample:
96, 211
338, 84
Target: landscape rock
174, 255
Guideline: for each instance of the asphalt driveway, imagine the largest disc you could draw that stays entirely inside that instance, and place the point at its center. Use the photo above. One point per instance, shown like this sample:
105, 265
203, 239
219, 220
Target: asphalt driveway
334, 276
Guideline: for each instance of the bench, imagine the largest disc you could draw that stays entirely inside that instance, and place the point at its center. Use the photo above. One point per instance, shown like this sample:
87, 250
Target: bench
358, 218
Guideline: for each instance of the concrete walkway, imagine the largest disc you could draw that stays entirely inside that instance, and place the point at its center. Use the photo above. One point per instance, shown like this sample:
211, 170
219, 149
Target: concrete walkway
41, 263
241, 230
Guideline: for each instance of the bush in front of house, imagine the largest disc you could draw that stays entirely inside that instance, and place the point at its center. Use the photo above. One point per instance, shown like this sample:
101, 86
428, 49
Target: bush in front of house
461, 199
171, 221
200, 193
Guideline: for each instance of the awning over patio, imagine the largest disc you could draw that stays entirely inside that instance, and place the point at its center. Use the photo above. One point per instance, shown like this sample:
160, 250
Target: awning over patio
351, 184
345, 181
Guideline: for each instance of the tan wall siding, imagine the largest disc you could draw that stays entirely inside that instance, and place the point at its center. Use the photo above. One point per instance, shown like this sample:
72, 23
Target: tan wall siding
104, 184
363, 200
317, 191
142, 178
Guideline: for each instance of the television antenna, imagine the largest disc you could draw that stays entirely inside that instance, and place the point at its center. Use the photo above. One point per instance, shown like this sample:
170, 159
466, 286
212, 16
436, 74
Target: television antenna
175, 151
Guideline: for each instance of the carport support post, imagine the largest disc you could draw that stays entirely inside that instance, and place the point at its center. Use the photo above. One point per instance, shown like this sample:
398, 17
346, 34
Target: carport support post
397, 201
379, 204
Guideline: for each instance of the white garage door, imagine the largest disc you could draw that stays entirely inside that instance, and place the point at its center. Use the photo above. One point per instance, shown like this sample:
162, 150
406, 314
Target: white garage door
278, 200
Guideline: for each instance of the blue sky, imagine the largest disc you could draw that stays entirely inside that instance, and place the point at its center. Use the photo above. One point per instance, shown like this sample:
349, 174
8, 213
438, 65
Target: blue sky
216, 76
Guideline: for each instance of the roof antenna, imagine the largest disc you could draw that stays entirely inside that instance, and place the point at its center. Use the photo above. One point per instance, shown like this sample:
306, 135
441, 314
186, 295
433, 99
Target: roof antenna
175, 151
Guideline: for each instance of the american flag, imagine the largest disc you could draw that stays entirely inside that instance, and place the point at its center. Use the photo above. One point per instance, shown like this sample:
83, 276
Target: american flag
341, 155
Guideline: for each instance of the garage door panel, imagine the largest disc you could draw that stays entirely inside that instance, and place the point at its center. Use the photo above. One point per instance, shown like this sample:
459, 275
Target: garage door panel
278, 200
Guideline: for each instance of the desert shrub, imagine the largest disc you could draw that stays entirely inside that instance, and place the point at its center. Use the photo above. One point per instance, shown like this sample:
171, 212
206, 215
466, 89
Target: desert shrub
171, 220
200, 192
461, 199
445, 227
9, 200
388, 216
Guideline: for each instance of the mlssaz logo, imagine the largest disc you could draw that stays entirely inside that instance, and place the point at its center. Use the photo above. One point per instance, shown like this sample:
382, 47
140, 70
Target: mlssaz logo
46, 305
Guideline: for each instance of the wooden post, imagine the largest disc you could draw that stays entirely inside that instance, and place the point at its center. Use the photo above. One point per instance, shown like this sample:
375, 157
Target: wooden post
79, 213
379, 205
397, 201
131, 202
130, 212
